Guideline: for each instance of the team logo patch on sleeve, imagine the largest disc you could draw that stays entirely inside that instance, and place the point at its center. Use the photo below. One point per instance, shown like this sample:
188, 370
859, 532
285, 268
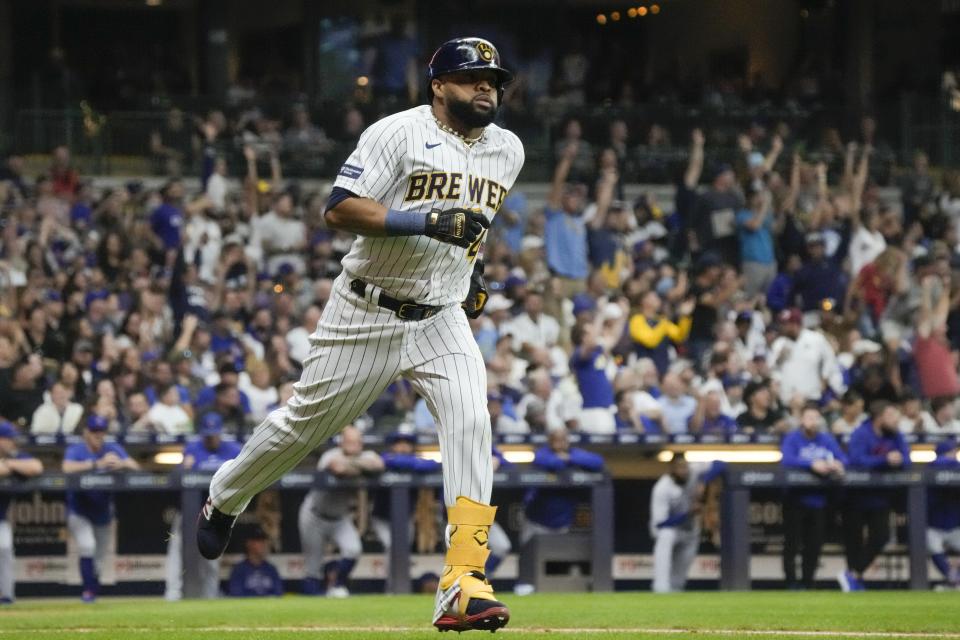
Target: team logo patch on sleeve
350, 171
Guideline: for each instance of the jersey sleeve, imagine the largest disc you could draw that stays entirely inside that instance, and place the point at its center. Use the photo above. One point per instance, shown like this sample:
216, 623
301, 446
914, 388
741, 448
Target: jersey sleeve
375, 165
327, 459
76, 453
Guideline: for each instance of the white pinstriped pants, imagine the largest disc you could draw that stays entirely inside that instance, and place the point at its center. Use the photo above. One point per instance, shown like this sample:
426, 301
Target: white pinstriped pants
357, 350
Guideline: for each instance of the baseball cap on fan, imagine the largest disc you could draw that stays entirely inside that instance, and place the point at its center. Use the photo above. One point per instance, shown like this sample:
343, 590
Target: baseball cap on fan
7, 430
788, 316
210, 425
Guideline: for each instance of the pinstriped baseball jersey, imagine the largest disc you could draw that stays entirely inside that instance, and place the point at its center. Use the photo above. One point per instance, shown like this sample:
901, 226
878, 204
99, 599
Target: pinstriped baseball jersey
408, 163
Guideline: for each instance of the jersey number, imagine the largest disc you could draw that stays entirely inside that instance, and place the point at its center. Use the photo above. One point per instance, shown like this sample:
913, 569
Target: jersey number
474, 248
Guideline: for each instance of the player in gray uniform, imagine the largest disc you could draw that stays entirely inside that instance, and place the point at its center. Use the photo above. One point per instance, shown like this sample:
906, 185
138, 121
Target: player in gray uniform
326, 515
674, 520
419, 191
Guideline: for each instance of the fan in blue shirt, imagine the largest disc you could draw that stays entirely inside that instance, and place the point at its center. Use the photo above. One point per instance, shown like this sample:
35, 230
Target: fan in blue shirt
943, 514
255, 576
90, 512
876, 445
812, 449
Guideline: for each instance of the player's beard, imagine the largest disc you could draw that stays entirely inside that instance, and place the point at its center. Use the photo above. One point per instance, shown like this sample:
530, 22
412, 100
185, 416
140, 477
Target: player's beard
469, 115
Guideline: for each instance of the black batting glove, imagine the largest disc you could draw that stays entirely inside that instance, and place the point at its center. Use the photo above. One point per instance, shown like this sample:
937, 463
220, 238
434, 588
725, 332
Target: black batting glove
477, 296
456, 226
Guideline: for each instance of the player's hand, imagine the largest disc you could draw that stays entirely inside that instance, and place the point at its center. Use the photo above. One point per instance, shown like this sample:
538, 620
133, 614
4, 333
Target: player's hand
476, 298
894, 458
457, 226
820, 467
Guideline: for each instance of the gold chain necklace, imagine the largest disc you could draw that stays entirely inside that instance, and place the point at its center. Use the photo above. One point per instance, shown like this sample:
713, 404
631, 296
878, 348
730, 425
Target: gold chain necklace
467, 141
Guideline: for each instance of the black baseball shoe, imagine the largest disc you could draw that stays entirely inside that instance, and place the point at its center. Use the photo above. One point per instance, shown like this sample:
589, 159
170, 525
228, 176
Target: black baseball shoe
213, 531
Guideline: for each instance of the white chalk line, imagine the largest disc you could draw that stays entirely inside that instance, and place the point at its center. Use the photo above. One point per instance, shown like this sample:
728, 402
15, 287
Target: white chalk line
798, 633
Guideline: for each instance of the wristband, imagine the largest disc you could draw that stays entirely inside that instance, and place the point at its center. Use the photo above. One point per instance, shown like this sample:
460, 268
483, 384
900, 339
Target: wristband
405, 223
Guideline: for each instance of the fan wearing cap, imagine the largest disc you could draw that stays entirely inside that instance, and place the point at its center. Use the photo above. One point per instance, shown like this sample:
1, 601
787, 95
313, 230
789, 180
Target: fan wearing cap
204, 453
813, 449
803, 360
90, 513
326, 515
876, 445
943, 515
255, 575
17, 464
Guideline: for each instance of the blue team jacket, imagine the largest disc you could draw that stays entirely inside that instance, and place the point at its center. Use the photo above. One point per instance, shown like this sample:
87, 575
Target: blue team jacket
800, 452
554, 508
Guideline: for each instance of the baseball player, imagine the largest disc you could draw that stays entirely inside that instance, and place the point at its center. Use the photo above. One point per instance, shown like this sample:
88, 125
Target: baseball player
816, 450
876, 445
327, 515
90, 513
943, 516
419, 191
552, 510
205, 453
674, 506
18, 464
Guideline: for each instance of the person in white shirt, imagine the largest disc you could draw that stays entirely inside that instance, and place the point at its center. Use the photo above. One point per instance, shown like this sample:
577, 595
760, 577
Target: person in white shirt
58, 414
676, 406
546, 408
166, 416
944, 414
866, 242
536, 334
283, 238
298, 338
803, 360
913, 419
202, 243
262, 395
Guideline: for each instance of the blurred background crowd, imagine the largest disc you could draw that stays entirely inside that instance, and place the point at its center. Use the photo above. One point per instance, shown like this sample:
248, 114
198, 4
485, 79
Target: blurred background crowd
686, 253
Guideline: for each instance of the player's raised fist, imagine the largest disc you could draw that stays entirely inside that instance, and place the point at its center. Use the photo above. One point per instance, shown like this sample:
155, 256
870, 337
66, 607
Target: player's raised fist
457, 226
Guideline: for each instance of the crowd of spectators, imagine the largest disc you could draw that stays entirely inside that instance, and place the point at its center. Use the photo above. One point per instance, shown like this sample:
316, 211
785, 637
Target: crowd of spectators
771, 282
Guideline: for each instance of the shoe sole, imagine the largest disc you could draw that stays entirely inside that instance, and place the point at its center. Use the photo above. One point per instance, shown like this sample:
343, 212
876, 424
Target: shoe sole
490, 620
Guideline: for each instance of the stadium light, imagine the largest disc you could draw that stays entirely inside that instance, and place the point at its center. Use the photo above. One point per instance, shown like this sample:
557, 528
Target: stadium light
724, 455
519, 456
923, 456
601, 19
168, 457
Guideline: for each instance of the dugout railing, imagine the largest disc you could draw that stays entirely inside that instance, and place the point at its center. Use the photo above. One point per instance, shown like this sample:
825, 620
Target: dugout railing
193, 487
740, 480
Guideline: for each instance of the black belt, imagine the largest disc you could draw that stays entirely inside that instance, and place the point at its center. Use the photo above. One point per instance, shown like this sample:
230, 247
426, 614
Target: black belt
404, 310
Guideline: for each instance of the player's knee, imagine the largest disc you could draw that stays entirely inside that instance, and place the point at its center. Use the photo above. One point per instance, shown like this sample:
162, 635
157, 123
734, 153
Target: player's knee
86, 549
351, 549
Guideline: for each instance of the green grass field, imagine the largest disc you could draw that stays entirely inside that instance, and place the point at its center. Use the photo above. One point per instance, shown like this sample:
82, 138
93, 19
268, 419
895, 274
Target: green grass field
703, 616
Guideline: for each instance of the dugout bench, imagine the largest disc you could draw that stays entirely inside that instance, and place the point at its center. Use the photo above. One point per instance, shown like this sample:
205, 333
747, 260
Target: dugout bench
193, 487
739, 480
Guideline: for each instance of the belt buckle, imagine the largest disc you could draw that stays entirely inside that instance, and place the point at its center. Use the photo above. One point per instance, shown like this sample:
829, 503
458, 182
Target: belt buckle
402, 311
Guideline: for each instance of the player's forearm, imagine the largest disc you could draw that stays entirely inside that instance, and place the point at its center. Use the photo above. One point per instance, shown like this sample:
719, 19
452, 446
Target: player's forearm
27, 467
78, 466
362, 216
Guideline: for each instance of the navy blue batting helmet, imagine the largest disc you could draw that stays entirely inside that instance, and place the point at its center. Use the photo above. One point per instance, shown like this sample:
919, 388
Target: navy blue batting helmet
467, 54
